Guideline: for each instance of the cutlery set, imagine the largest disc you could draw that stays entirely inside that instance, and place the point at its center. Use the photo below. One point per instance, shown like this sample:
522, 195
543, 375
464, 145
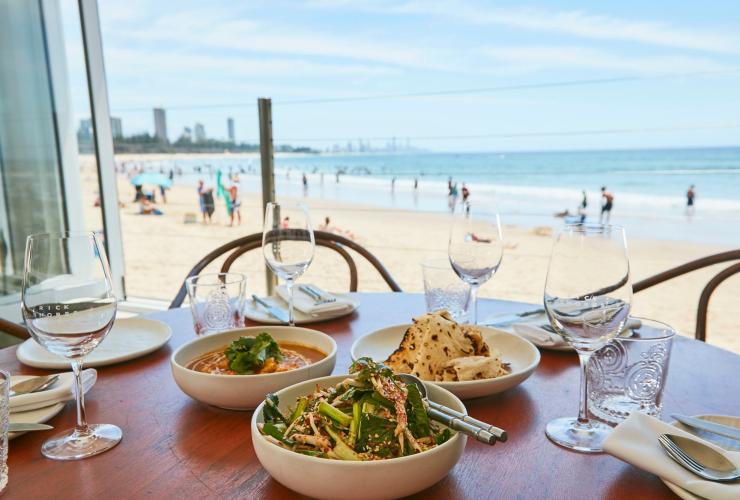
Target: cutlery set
30, 386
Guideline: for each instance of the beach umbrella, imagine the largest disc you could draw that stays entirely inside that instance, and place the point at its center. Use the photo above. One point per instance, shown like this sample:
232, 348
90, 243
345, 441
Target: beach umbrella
151, 178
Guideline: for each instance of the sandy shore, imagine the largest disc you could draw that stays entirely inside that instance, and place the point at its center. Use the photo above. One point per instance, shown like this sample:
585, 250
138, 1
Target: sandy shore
159, 251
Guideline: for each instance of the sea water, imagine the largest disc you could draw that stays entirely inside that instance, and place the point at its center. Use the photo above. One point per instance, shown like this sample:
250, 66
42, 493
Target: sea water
527, 189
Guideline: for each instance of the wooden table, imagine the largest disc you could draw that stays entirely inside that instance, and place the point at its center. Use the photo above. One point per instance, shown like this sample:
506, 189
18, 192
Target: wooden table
174, 446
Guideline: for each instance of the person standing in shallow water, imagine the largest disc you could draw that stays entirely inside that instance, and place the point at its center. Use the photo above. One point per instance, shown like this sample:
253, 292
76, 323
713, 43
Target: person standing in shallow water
606, 208
690, 195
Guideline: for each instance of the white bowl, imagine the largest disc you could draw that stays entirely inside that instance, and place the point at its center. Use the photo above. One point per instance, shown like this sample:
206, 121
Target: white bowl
245, 392
520, 353
326, 478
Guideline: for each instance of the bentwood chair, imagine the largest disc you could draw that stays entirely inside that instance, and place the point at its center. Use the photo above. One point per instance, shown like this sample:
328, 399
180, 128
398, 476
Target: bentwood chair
335, 242
13, 329
701, 313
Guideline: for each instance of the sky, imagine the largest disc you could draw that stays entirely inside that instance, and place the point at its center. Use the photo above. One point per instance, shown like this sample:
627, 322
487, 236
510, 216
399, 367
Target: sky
676, 66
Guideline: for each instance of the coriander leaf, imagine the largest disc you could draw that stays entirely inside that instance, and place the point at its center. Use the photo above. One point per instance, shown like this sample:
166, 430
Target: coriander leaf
247, 355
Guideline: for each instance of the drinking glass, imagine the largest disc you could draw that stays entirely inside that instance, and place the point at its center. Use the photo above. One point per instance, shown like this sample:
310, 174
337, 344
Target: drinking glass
69, 308
444, 290
475, 250
216, 301
587, 300
288, 244
629, 373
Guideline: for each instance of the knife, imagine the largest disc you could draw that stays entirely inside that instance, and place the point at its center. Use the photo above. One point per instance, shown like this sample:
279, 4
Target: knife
506, 319
273, 311
704, 425
25, 427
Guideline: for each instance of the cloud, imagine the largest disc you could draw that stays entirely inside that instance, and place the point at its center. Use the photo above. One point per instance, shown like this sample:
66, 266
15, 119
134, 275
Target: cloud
573, 22
548, 57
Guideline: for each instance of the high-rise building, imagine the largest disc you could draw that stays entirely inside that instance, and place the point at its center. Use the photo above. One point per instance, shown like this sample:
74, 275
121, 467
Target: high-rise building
230, 128
116, 127
200, 132
187, 134
84, 133
160, 125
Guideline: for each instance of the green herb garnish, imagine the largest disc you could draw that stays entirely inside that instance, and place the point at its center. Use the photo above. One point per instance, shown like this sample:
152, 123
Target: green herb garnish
247, 355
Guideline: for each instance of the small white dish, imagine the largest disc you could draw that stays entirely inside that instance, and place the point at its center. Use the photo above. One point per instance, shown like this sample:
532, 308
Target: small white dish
62, 390
129, 338
522, 356
722, 442
257, 313
245, 392
37, 416
326, 478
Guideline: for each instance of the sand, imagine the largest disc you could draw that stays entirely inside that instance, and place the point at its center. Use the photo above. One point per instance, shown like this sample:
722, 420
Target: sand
159, 251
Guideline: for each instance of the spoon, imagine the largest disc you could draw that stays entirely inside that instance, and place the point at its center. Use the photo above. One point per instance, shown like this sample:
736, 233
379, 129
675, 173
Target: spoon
699, 458
34, 384
486, 433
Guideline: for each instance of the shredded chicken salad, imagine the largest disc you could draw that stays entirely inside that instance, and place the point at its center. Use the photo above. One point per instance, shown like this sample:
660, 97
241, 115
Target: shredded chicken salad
371, 415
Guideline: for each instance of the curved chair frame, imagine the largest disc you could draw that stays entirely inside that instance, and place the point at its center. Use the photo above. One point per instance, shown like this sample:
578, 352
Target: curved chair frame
13, 329
706, 294
328, 240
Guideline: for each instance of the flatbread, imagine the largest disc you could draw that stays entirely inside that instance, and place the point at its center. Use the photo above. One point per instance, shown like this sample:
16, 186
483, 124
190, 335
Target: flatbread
432, 342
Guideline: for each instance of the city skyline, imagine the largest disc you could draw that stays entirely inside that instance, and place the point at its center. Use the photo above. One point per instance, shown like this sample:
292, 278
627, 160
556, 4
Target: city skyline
449, 75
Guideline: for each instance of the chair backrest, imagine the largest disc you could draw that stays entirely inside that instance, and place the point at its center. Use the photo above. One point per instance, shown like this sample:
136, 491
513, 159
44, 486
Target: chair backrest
333, 241
706, 294
13, 329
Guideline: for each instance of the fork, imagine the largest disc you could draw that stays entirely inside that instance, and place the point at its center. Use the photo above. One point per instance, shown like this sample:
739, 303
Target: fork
689, 463
316, 295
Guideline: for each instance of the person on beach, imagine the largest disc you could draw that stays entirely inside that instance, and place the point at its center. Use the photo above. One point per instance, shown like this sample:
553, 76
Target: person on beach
163, 192
416, 183
582, 207
465, 196
305, 184
606, 208
235, 205
201, 201
690, 195
393, 184
285, 224
452, 197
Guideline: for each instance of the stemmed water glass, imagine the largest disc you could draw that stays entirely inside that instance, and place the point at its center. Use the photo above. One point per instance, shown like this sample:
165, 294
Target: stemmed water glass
587, 300
69, 308
288, 244
475, 250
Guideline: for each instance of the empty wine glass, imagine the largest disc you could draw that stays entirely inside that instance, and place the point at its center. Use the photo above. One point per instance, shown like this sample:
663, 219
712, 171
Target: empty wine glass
288, 244
587, 300
475, 250
69, 308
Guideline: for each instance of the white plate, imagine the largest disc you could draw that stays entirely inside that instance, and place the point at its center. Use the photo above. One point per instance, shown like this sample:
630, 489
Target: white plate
257, 313
37, 416
521, 354
128, 339
722, 442
537, 319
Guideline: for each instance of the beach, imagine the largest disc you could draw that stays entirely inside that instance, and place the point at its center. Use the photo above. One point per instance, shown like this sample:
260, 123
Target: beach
160, 250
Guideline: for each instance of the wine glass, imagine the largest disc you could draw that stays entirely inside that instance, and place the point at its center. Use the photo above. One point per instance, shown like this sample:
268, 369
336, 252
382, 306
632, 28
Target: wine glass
288, 244
69, 308
475, 250
587, 300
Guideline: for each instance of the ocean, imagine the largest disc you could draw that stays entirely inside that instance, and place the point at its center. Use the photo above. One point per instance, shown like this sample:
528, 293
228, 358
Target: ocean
649, 186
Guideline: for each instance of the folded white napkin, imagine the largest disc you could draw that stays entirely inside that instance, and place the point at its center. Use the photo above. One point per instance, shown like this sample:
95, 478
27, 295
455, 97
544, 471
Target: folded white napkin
538, 336
636, 441
533, 332
306, 304
62, 390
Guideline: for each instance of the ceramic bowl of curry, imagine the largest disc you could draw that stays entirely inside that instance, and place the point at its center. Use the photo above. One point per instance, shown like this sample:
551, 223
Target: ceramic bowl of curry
202, 370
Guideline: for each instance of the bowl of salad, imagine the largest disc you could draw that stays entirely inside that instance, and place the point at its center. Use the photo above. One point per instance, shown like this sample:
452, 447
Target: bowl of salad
361, 435
234, 369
